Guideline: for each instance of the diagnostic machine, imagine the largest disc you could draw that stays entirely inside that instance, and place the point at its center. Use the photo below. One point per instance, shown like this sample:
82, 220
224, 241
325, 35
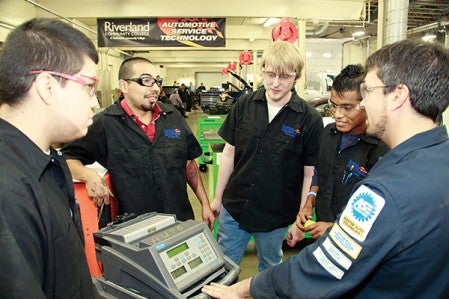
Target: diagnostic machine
156, 256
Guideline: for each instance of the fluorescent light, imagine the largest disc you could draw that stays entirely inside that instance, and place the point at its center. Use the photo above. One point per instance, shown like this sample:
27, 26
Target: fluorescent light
358, 33
270, 21
327, 55
308, 54
429, 37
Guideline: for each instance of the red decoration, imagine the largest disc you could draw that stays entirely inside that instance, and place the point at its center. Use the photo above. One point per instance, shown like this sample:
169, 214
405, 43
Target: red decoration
246, 58
285, 31
225, 71
232, 66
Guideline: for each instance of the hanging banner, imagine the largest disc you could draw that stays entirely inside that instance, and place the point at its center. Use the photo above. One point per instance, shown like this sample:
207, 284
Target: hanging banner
161, 32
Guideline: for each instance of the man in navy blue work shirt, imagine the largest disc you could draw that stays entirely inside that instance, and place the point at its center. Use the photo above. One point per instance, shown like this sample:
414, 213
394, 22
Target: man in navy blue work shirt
391, 240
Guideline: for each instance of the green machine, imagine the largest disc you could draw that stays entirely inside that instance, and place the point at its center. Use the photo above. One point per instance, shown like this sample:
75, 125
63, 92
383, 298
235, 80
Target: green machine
208, 134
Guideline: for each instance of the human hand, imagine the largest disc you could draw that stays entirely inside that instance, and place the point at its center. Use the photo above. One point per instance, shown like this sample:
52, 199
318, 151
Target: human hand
295, 234
318, 229
305, 214
216, 206
97, 189
235, 291
208, 216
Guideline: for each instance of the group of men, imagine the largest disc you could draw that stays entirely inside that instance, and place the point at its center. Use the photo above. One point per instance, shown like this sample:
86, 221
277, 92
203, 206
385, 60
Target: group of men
378, 217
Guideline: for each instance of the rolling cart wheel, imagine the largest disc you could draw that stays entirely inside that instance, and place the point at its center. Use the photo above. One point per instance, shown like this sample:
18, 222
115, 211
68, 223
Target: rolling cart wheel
203, 167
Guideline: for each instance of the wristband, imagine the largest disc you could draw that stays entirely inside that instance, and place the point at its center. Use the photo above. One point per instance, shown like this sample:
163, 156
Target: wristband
311, 193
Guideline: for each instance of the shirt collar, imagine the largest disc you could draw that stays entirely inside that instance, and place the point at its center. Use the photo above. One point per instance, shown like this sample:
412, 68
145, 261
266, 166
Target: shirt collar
31, 155
295, 103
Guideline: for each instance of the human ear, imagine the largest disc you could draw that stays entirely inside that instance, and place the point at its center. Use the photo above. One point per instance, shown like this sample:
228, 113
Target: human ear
45, 85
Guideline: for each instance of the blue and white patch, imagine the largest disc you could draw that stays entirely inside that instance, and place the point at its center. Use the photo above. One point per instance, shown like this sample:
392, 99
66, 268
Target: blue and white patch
172, 133
327, 264
336, 254
360, 213
290, 131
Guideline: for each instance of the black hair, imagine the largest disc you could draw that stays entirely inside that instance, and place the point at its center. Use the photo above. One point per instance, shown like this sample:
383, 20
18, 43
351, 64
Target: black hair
40, 44
349, 79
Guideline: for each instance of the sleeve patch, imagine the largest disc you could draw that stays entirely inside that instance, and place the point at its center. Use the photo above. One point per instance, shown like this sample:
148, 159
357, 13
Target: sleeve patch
360, 213
327, 264
345, 242
336, 254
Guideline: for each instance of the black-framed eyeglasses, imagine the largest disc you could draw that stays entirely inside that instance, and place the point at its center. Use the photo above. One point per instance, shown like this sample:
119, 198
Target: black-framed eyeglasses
345, 108
92, 86
146, 80
365, 89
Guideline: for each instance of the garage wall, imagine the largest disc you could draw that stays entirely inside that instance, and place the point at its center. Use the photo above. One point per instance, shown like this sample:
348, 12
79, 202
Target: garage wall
210, 79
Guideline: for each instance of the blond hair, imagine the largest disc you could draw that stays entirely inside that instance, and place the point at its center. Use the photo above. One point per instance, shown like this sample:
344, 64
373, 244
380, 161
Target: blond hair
283, 57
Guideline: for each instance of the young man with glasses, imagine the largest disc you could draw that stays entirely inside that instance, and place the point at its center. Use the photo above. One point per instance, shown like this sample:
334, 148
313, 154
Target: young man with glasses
346, 155
47, 94
268, 160
391, 240
146, 146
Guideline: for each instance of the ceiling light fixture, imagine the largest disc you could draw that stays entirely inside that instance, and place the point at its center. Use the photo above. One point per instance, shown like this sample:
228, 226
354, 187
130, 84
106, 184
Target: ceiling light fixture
270, 21
429, 37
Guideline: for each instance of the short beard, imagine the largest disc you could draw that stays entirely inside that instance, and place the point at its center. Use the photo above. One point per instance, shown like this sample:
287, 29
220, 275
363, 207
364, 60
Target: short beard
379, 128
147, 108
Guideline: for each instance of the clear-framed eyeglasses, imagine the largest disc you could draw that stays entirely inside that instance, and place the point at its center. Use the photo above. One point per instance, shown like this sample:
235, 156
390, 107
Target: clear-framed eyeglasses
281, 77
344, 108
365, 89
146, 80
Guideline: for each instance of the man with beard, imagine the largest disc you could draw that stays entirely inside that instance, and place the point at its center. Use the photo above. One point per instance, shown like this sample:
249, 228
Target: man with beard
146, 146
391, 239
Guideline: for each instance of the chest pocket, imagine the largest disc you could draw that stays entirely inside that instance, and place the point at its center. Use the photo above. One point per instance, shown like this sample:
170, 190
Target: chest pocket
287, 149
123, 160
174, 152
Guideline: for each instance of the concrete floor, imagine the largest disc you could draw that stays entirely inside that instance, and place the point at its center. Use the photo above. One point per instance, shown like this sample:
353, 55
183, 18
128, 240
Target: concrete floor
249, 263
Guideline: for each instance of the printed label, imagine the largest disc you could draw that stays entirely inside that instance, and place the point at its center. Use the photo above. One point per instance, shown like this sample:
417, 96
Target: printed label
327, 264
345, 242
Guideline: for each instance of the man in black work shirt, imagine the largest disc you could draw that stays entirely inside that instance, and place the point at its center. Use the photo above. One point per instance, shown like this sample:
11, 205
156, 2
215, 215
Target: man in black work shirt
346, 155
271, 146
47, 93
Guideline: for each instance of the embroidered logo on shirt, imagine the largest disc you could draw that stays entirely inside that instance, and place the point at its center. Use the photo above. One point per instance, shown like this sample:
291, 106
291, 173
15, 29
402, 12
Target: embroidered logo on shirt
289, 131
172, 133
362, 210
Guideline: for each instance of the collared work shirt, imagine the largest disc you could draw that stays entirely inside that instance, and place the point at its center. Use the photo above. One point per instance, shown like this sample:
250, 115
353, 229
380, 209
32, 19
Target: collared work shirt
264, 190
146, 176
42, 254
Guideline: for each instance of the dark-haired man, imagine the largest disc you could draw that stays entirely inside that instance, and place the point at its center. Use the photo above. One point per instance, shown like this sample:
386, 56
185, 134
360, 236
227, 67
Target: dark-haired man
146, 146
391, 239
47, 93
346, 155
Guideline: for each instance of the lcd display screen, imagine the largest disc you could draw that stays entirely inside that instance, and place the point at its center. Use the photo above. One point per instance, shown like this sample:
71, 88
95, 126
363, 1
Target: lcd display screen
178, 272
177, 250
195, 263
